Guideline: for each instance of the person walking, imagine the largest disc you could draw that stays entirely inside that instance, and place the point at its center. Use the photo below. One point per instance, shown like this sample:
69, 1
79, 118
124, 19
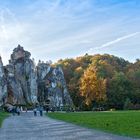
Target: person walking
35, 111
26, 109
13, 110
41, 111
18, 111
47, 109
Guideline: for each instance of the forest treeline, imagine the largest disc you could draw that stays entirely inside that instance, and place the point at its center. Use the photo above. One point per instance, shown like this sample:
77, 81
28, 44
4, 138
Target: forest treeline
102, 81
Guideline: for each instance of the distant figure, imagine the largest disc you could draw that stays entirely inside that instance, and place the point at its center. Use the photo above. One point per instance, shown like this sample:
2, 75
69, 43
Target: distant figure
35, 112
41, 111
21, 109
26, 109
18, 111
47, 110
14, 110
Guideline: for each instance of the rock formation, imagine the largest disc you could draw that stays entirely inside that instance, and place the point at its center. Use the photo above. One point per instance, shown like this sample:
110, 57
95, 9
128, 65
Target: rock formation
52, 86
21, 75
3, 84
22, 82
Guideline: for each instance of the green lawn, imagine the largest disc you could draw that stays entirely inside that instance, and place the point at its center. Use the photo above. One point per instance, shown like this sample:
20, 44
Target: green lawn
119, 122
3, 115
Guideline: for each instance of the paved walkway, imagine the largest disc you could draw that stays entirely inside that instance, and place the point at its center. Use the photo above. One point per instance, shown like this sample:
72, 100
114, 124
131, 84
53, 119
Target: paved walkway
28, 127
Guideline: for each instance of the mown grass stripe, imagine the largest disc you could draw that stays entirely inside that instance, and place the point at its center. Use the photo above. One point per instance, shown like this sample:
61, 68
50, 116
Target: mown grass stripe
119, 122
3, 115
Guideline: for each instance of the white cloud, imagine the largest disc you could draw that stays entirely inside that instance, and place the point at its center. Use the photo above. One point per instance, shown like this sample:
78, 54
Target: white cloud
110, 43
118, 40
49, 28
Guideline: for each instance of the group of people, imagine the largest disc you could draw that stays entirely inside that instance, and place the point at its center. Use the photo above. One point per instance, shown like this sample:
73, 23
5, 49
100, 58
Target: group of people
16, 110
40, 109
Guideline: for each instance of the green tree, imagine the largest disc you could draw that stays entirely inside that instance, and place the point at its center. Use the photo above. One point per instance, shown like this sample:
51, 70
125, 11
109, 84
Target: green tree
120, 88
127, 104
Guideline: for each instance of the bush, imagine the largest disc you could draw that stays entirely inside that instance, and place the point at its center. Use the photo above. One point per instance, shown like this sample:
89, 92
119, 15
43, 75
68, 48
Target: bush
127, 105
112, 109
135, 107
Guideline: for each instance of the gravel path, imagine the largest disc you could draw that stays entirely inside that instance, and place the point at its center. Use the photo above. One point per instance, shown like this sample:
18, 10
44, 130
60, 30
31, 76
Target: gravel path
28, 127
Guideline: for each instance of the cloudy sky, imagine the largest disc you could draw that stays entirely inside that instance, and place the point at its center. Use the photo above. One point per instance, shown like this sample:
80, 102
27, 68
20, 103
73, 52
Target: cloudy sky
54, 29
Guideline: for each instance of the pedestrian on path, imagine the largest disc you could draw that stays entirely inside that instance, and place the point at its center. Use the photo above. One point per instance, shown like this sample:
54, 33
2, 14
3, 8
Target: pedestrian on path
47, 110
41, 110
18, 111
26, 109
35, 111
13, 110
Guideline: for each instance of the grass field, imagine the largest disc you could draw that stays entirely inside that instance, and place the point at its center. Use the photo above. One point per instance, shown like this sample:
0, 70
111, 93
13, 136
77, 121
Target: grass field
119, 122
3, 115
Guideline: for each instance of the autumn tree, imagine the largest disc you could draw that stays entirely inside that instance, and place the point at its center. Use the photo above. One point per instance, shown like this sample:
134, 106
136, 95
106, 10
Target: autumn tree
73, 70
97, 78
92, 87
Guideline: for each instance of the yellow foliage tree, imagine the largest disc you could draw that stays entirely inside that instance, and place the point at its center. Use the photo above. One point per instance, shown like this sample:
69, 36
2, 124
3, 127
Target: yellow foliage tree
92, 87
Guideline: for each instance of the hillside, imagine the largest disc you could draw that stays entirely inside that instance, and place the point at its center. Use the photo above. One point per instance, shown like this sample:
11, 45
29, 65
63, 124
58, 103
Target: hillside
107, 81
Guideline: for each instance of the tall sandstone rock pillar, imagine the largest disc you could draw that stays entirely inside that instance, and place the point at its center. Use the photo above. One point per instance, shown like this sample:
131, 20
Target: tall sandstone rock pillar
22, 78
3, 84
24, 83
52, 86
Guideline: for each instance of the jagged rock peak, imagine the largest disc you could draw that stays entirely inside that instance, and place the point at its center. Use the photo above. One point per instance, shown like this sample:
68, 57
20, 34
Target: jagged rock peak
0, 60
24, 83
1, 68
3, 86
19, 53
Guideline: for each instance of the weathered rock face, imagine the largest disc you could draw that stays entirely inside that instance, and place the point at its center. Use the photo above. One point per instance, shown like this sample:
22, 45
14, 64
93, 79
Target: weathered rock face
22, 78
24, 83
3, 84
52, 86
